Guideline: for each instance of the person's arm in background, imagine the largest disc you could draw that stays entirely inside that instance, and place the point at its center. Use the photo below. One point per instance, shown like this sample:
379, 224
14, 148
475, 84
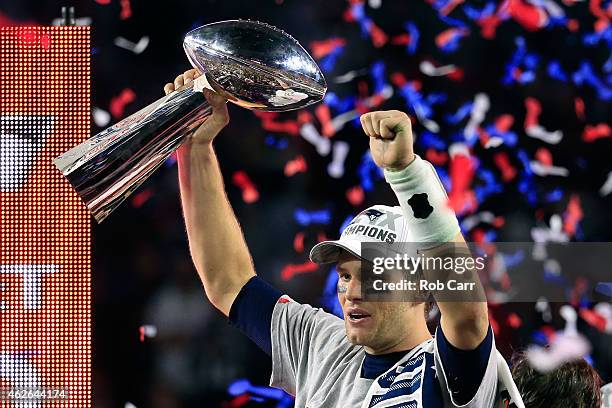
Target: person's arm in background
216, 243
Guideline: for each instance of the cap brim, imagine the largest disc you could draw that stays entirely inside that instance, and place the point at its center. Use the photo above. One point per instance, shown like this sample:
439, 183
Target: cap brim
329, 251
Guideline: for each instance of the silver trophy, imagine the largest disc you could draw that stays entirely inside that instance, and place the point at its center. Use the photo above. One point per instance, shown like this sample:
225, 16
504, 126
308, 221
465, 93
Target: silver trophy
252, 64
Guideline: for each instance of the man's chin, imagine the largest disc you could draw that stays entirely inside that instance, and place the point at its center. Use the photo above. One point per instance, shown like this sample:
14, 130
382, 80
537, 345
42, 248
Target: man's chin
357, 338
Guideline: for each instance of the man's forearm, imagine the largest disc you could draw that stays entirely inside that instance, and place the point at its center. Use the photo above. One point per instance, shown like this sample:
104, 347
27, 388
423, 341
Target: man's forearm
424, 204
217, 245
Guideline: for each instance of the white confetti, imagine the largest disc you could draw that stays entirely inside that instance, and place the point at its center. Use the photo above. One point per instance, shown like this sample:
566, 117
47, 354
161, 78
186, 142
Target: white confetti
80, 21
428, 123
349, 76
605, 310
310, 133
470, 222
538, 132
101, 117
342, 119
607, 186
430, 69
479, 110
565, 348
494, 142
147, 331
336, 167
136, 48
543, 307
458, 149
544, 170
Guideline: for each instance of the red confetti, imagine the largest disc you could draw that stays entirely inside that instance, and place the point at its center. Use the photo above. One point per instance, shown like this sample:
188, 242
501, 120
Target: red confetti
249, 191
598, 12
549, 332
142, 197
503, 164
363, 89
402, 39
239, 401
450, 6
460, 198
118, 103
514, 320
573, 25
269, 123
594, 319
579, 107
532, 18
498, 222
324, 116
456, 75
320, 49
126, 10
479, 235
304, 116
398, 79
533, 112
447, 35
377, 100
435, 157
601, 25
297, 165
298, 242
483, 136
504, 122
573, 215
379, 38
592, 133
355, 195
494, 324
488, 26
544, 156
289, 271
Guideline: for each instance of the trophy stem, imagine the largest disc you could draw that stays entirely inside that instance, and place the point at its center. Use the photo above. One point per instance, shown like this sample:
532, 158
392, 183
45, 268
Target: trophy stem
107, 168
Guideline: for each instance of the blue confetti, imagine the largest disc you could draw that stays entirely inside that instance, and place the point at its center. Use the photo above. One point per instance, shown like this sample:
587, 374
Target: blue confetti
305, 218
369, 172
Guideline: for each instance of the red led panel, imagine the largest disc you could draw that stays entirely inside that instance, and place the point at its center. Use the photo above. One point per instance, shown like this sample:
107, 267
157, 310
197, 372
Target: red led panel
45, 265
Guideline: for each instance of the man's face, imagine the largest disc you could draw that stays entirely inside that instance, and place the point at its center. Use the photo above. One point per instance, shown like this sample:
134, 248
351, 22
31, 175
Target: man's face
379, 326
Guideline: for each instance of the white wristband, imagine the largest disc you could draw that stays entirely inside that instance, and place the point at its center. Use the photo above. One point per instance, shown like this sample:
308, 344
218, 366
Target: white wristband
424, 202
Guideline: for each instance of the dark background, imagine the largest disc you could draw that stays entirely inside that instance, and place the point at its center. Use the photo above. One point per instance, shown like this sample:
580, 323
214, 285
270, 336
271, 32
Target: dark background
142, 272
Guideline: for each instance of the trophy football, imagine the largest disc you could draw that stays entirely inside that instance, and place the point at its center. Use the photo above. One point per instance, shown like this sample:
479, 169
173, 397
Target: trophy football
252, 64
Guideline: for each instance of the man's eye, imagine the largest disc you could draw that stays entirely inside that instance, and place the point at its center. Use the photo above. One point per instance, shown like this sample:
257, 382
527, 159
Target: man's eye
345, 276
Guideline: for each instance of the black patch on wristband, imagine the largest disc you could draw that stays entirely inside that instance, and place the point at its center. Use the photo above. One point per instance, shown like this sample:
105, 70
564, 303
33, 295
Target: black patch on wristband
420, 205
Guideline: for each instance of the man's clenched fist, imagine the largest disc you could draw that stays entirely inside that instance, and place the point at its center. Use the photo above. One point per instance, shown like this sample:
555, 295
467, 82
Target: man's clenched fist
391, 140
219, 117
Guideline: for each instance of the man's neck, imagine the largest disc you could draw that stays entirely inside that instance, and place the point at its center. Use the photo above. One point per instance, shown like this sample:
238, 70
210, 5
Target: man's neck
410, 341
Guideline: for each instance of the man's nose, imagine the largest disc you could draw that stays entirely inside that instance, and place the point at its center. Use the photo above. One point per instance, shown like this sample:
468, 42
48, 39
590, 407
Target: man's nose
353, 290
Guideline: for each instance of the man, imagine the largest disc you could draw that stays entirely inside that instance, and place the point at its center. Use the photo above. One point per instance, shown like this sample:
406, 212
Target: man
574, 384
382, 354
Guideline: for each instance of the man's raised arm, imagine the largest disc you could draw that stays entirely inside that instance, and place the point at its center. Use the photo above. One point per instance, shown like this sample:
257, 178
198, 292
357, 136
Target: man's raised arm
217, 245
424, 204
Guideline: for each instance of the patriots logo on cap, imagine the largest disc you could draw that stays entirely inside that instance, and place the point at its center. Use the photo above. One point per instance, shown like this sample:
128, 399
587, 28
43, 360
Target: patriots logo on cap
372, 214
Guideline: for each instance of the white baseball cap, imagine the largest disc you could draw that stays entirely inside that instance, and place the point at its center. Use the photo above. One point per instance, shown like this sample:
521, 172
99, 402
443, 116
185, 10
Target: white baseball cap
378, 224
